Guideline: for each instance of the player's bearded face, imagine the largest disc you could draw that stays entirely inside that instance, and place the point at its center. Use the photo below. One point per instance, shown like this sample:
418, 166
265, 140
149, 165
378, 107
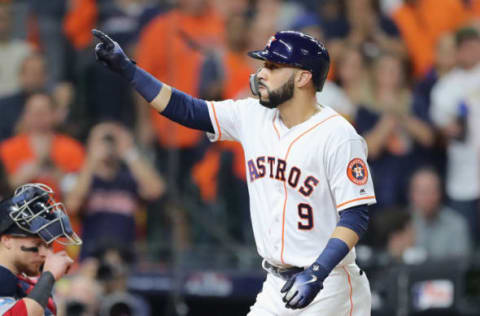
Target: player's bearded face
30, 269
30, 256
278, 96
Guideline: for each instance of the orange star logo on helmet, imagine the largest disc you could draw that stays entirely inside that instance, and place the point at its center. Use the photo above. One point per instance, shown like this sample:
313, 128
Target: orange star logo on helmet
271, 40
357, 171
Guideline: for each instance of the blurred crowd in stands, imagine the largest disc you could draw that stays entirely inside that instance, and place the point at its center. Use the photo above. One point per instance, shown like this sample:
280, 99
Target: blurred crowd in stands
405, 73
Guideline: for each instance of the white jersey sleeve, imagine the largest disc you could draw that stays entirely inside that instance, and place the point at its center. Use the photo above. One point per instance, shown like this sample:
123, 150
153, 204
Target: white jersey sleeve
348, 174
229, 118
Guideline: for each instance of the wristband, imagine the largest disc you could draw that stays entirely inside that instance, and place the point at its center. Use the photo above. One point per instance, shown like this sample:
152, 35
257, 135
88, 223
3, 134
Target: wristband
43, 289
333, 253
147, 85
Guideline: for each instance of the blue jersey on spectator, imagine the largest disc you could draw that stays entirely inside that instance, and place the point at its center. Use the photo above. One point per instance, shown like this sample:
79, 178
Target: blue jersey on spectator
390, 172
109, 212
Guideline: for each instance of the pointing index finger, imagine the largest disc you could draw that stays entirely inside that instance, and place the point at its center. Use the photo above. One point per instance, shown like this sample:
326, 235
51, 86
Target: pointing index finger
104, 38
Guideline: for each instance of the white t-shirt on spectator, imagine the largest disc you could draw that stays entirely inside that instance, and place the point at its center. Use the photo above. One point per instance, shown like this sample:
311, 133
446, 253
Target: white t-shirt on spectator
463, 165
12, 55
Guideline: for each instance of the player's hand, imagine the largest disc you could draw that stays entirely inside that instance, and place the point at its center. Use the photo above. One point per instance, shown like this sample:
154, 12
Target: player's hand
57, 263
301, 289
111, 55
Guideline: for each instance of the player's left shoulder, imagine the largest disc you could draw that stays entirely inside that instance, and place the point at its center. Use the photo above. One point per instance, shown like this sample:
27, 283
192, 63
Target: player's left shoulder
336, 125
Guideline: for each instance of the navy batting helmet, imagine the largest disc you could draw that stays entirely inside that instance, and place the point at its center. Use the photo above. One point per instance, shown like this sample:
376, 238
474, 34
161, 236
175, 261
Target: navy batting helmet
298, 50
33, 211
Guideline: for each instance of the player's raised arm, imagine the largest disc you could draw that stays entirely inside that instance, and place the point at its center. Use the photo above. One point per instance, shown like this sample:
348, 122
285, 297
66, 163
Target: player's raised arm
168, 101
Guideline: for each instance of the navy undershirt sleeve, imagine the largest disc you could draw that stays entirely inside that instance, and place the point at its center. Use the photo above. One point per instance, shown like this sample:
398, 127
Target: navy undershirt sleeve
182, 108
356, 218
188, 111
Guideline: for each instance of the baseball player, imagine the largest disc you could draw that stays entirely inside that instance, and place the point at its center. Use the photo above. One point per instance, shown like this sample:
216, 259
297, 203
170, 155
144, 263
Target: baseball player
29, 222
308, 180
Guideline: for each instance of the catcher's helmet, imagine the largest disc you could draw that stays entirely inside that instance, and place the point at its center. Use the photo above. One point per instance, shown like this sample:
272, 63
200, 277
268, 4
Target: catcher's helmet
298, 50
33, 211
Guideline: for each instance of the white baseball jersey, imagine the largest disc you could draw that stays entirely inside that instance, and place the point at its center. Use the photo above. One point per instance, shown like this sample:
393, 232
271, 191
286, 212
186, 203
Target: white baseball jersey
298, 178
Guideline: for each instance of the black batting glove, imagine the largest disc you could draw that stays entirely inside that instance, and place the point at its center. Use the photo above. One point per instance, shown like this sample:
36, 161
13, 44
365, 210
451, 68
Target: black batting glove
303, 287
109, 53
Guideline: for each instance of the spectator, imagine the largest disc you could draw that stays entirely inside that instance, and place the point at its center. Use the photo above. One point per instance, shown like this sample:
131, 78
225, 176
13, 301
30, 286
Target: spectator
453, 112
371, 31
280, 13
445, 60
354, 75
224, 73
309, 23
422, 22
64, 95
19, 18
78, 296
439, 230
12, 50
225, 76
260, 30
390, 128
231, 8
32, 79
112, 274
102, 95
394, 235
5, 189
46, 24
333, 19
38, 153
190, 30
99, 287
110, 187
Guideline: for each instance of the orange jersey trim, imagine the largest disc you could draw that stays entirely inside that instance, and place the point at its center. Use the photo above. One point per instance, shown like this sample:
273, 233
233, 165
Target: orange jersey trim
357, 199
351, 290
275, 126
285, 185
216, 122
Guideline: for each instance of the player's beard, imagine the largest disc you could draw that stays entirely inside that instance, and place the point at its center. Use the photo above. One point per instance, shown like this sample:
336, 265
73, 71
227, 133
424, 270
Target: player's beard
30, 269
278, 96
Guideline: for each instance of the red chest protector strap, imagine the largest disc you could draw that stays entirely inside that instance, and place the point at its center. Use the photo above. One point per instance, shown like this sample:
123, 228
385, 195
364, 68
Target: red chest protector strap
27, 285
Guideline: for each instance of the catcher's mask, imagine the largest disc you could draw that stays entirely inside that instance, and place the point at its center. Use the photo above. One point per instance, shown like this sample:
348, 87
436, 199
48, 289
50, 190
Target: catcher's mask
33, 211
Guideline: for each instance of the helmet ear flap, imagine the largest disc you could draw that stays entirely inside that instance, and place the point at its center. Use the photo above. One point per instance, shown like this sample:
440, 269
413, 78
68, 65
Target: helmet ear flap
254, 84
5, 221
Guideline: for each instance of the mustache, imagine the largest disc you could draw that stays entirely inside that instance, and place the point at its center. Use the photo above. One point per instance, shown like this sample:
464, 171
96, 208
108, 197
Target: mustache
261, 84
